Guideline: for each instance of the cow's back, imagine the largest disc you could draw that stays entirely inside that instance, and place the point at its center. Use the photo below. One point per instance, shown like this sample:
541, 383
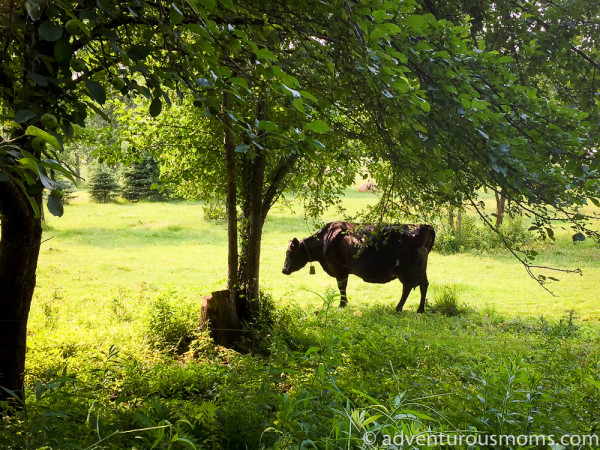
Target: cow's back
380, 254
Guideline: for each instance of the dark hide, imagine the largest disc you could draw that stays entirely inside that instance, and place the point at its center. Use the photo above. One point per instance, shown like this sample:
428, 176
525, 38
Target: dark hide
375, 254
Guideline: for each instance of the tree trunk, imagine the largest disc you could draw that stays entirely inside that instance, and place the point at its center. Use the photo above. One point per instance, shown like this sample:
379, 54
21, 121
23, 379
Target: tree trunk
219, 312
500, 204
459, 219
247, 305
21, 234
231, 201
77, 165
451, 217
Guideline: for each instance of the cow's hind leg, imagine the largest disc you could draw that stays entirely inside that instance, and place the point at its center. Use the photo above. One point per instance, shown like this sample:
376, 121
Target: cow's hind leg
405, 292
342, 284
423, 287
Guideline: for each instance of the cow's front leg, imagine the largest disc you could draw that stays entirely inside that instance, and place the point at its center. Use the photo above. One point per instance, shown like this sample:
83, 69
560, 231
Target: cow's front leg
342, 283
405, 292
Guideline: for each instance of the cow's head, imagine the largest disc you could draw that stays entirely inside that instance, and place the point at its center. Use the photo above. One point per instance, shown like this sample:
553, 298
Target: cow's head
296, 257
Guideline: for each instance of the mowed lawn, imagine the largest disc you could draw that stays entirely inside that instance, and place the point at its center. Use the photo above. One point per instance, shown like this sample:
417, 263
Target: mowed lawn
97, 252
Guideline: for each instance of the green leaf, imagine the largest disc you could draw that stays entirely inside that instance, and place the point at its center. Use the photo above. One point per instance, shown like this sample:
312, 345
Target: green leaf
54, 165
298, 104
242, 148
380, 15
50, 139
138, 52
30, 163
202, 82
311, 350
155, 106
175, 15
99, 111
63, 51
239, 81
55, 205
401, 86
294, 93
32, 202
266, 55
267, 125
23, 115
38, 79
318, 126
96, 91
49, 31
3, 177
35, 8
483, 133
578, 237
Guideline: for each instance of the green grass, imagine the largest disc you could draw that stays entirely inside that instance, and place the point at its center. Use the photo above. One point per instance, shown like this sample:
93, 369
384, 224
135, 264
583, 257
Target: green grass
118, 282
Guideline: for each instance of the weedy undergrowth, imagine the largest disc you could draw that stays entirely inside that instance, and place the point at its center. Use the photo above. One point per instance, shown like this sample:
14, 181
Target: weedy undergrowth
446, 301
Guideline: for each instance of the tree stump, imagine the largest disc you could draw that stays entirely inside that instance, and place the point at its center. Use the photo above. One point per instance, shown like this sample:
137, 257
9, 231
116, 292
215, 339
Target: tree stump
219, 316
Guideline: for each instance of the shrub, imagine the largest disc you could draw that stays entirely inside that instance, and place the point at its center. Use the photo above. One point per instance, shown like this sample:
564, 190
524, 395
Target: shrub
170, 327
258, 331
214, 210
103, 185
478, 236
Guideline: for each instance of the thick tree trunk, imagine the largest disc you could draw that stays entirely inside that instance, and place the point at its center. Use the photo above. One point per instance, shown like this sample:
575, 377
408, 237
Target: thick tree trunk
500, 205
21, 234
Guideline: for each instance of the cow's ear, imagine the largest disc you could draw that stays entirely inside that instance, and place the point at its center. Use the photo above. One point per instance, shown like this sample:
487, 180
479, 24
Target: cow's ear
295, 242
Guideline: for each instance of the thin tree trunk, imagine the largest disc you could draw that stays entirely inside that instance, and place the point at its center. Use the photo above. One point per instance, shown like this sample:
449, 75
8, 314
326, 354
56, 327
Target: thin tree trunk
459, 219
253, 223
77, 165
21, 234
451, 217
219, 311
231, 201
255, 230
500, 204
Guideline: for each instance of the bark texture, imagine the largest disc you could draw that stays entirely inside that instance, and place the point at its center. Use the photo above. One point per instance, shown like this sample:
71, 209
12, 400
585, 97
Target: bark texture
219, 316
21, 234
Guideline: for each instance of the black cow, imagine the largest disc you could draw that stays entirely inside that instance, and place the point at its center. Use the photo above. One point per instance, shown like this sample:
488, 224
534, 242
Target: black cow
375, 254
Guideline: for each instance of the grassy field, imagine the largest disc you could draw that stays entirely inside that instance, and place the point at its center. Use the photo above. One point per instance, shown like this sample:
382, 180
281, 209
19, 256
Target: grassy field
97, 251
113, 277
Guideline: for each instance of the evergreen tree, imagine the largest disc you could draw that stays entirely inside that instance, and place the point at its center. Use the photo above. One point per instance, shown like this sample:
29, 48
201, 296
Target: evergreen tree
103, 185
138, 179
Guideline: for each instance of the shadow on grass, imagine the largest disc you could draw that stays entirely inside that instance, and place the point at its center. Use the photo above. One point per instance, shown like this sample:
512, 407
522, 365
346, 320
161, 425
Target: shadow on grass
109, 238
